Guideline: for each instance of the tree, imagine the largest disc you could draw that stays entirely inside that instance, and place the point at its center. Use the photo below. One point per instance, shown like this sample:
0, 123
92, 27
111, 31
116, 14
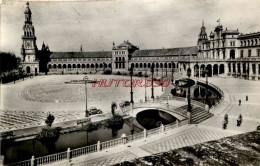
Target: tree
8, 62
50, 119
113, 107
115, 123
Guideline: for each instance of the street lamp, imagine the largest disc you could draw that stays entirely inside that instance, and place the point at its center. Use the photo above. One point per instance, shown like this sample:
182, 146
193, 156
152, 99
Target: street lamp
145, 96
172, 72
131, 92
206, 75
189, 102
152, 71
86, 90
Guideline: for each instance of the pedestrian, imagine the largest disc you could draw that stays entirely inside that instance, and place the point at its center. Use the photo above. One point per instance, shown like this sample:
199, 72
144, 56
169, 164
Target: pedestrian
226, 118
224, 123
239, 102
246, 98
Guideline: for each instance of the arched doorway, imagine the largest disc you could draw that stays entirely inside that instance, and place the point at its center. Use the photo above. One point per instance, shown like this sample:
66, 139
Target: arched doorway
234, 67
202, 68
28, 69
222, 69
215, 69
232, 54
209, 70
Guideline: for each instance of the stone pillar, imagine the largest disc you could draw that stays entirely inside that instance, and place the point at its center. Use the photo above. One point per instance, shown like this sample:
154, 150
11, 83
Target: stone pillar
241, 70
68, 153
162, 128
199, 72
32, 161
192, 70
189, 117
256, 71
206, 107
145, 133
250, 71
98, 146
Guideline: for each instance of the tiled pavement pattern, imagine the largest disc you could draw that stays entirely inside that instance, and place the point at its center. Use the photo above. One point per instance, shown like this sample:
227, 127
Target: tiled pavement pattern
186, 138
109, 159
12, 120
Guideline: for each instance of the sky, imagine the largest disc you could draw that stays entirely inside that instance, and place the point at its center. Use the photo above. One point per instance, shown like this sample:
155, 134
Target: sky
149, 24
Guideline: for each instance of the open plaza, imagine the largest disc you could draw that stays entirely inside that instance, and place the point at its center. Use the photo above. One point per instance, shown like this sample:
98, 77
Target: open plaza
125, 103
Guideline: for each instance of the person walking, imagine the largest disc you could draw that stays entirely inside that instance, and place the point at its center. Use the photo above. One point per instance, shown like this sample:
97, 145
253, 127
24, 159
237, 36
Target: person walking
226, 118
239, 120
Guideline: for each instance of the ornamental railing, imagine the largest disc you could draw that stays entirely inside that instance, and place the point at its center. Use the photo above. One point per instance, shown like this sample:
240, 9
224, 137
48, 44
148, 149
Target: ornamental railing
69, 154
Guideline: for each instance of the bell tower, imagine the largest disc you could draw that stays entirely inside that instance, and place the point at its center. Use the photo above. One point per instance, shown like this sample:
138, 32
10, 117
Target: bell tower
29, 48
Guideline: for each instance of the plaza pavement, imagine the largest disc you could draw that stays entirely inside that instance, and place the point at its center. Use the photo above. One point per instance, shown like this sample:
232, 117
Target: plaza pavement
210, 129
25, 104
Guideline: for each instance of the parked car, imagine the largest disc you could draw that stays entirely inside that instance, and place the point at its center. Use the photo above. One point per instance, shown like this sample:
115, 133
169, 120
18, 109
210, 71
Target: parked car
124, 103
94, 110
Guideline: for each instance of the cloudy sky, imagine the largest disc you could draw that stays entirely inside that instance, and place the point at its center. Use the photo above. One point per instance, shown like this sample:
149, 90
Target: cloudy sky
148, 24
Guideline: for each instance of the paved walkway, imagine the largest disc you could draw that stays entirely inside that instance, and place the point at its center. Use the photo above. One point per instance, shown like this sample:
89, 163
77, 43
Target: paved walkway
211, 129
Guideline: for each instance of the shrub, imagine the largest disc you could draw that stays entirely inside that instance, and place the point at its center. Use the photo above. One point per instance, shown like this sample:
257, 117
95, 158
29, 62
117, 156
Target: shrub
49, 135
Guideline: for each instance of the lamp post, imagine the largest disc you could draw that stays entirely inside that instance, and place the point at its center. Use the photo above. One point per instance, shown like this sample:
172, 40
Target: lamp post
189, 102
131, 92
162, 80
152, 70
145, 96
172, 72
166, 69
86, 90
206, 75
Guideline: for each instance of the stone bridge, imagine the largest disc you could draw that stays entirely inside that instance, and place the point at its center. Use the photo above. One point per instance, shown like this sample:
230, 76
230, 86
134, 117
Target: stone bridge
178, 113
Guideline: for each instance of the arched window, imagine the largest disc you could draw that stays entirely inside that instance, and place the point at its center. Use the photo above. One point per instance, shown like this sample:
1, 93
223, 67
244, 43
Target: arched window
83, 66
74, 66
109, 65
149, 65
64, 66
59, 66
141, 65
100, 65
96, 65
161, 65
87, 65
169, 65
49, 66
78, 66
92, 65
69, 66
144, 65
54, 66
165, 65
157, 65
136, 65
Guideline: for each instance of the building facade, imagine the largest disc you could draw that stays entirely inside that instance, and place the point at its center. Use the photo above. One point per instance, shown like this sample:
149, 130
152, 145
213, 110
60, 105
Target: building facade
226, 52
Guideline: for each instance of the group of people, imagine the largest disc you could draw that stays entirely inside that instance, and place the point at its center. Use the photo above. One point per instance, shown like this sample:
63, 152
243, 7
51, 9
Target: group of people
225, 122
